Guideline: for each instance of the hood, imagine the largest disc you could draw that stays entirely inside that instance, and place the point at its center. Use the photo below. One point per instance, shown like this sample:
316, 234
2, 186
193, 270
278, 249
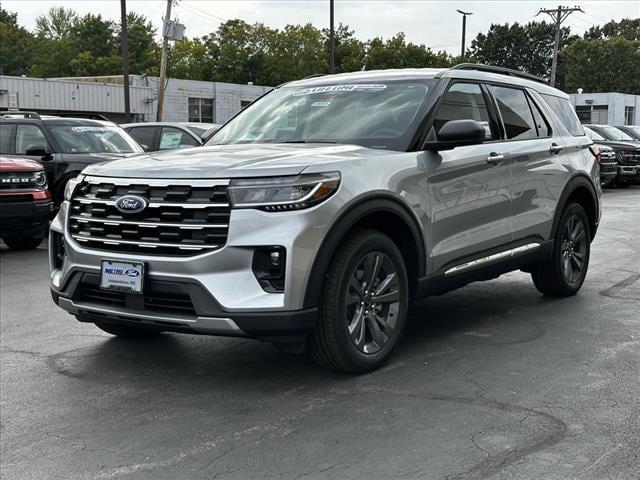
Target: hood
12, 164
618, 145
227, 161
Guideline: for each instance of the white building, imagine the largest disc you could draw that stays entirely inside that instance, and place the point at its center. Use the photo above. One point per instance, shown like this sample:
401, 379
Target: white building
607, 108
185, 100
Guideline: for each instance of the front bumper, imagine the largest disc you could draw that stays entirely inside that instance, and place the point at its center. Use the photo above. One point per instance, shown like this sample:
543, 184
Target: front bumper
24, 218
225, 296
629, 173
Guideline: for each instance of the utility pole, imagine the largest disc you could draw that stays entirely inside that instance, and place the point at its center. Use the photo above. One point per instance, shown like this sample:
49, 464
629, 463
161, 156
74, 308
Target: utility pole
163, 65
558, 15
332, 42
464, 32
125, 59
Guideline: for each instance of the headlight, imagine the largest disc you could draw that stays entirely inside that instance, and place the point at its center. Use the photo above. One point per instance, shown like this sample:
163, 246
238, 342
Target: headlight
40, 180
276, 194
71, 186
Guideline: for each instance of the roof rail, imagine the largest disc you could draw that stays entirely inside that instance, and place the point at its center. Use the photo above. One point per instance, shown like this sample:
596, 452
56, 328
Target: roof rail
501, 70
85, 115
25, 114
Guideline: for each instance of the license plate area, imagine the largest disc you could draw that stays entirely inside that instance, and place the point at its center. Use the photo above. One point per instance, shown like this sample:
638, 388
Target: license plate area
121, 276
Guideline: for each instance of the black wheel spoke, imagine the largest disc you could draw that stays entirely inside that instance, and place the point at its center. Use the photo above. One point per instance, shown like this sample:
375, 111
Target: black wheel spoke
372, 301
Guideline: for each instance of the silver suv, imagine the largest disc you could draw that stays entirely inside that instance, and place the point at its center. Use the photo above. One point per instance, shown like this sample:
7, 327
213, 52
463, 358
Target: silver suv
316, 215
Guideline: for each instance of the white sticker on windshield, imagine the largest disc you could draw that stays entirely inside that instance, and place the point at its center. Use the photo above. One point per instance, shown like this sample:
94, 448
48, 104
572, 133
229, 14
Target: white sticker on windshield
320, 104
371, 88
88, 129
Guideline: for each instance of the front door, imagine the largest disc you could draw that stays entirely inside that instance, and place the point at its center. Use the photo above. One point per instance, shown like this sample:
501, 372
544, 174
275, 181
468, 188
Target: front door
469, 187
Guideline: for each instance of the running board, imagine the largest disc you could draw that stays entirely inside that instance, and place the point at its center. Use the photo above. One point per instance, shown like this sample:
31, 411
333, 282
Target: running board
512, 252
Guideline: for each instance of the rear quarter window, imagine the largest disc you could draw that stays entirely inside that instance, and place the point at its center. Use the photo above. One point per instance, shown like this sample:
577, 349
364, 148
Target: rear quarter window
565, 112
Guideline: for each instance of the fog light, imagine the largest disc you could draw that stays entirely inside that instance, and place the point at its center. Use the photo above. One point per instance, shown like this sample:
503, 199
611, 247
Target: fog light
269, 268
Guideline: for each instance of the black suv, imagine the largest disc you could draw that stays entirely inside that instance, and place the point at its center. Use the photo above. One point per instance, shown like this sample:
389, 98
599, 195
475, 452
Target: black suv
627, 151
64, 146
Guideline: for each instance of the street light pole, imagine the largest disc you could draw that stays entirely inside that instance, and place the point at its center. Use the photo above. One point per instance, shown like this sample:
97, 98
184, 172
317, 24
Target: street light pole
331, 39
163, 66
125, 59
464, 32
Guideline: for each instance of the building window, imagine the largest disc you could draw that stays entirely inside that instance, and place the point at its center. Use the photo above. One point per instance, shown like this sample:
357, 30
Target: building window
201, 110
629, 113
584, 113
245, 103
600, 114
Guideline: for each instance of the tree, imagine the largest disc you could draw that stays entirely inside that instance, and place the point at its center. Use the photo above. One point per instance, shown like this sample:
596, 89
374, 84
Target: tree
296, 52
56, 24
396, 53
528, 48
349, 52
611, 65
190, 59
144, 52
627, 28
16, 45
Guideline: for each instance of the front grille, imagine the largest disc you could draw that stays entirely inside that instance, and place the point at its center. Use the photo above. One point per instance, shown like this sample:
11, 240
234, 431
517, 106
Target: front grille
17, 180
176, 303
630, 158
21, 198
180, 219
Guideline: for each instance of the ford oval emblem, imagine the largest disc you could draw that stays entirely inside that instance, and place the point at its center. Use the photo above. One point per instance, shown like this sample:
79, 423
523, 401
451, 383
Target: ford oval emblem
132, 272
131, 204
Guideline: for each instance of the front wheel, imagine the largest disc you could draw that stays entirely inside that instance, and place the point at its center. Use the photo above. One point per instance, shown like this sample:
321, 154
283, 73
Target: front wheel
564, 274
364, 305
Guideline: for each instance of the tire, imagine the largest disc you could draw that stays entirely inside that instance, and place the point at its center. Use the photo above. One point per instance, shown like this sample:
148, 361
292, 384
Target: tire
564, 273
348, 305
23, 243
125, 331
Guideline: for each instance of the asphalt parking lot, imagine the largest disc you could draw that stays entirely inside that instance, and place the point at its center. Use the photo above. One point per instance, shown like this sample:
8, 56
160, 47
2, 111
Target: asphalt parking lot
492, 381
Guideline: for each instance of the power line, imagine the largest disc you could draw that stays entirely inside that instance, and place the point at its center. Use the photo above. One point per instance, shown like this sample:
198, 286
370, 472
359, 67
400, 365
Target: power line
558, 15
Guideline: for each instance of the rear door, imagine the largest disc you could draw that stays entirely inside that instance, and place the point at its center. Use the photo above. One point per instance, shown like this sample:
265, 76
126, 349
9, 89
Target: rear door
532, 151
469, 186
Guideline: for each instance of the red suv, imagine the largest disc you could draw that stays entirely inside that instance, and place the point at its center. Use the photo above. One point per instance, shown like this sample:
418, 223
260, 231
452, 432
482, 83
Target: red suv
25, 203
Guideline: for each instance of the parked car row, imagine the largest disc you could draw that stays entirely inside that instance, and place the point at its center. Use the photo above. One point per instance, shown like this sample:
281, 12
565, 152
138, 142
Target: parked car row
620, 145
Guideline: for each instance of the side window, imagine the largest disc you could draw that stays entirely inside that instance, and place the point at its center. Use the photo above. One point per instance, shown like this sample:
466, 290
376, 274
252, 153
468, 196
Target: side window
541, 122
463, 101
6, 132
563, 109
29, 136
174, 138
144, 135
516, 114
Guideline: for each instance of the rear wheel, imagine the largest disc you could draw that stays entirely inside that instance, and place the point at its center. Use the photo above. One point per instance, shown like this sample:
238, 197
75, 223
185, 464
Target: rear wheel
364, 305
23, 242
126, 331
564, 274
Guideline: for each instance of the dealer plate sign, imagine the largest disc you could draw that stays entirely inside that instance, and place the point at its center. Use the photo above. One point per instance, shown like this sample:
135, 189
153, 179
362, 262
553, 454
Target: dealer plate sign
122, 276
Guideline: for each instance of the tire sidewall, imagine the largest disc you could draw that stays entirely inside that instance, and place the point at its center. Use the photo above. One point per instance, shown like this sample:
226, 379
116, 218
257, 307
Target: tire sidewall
573, 209
376, 242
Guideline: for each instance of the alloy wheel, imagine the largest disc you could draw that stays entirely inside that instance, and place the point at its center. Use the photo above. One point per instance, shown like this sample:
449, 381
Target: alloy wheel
573, 248
373, 302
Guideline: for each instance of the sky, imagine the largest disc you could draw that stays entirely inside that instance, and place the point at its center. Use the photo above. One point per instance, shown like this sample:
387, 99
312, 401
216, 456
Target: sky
433, 23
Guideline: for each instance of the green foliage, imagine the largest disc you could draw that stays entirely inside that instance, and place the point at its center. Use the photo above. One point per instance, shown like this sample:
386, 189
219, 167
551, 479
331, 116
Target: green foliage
16, 45
56, 24
528, 48
603, 65
63, 44
627, 28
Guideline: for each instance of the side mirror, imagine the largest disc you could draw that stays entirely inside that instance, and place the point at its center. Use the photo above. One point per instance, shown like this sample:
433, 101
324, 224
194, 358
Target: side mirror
458, 133
38, 151
144, 147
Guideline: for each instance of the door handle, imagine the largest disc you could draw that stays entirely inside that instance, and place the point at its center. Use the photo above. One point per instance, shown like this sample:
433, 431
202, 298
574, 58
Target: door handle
495, 158
555, 148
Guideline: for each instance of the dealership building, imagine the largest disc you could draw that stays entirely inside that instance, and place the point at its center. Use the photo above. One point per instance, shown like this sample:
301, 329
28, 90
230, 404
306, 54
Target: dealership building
184, 100
607, 108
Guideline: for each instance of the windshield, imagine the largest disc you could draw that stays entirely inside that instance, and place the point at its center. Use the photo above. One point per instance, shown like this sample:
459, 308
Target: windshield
592, 134
612, 133
94, 139
375, 115
633, 131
